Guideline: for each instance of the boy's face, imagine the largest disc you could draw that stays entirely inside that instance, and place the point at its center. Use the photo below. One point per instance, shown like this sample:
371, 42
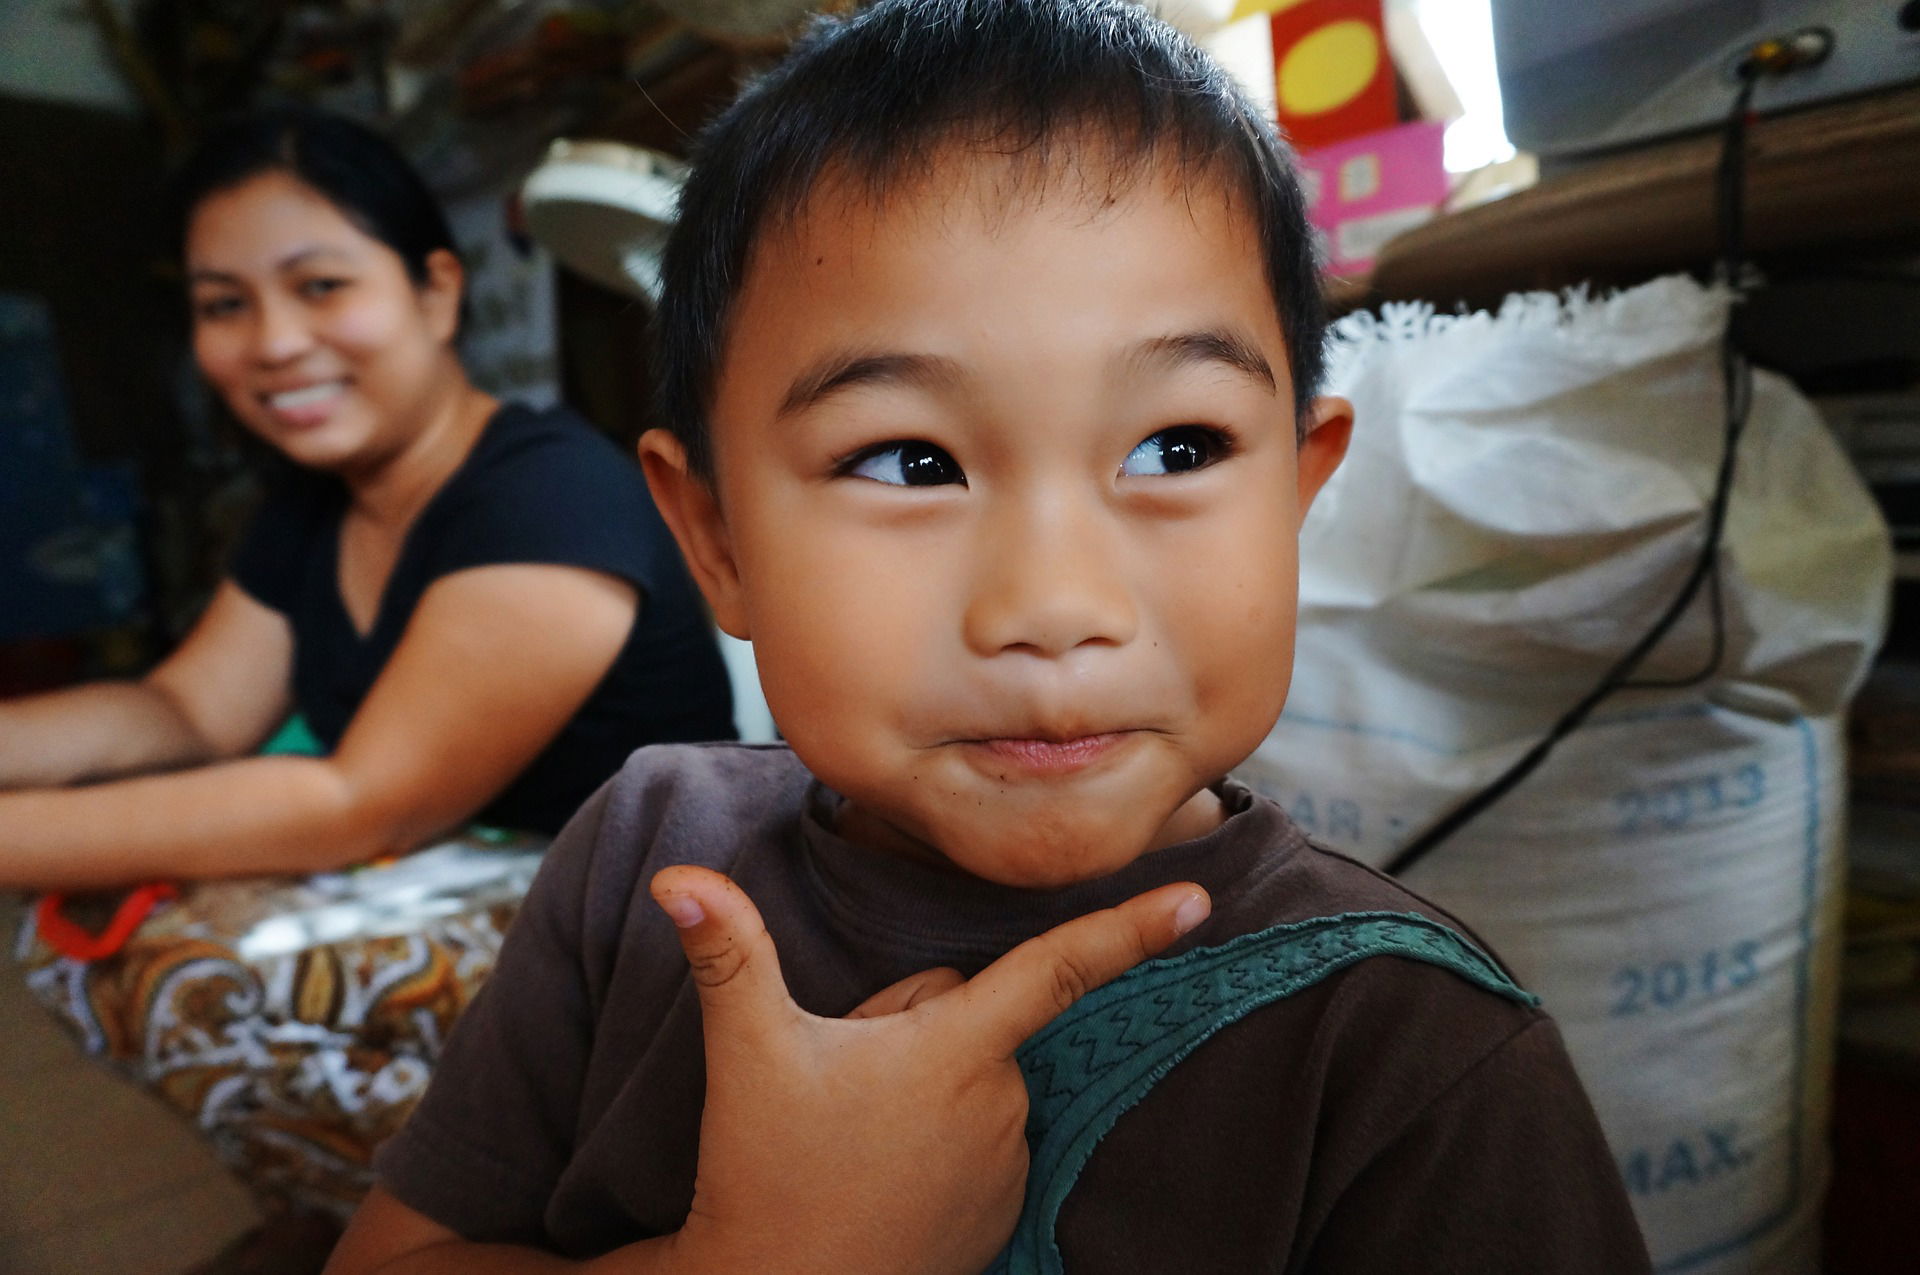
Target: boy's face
1007, 499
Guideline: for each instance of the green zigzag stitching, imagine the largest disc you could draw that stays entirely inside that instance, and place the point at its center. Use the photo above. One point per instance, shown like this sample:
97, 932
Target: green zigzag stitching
1094, 1062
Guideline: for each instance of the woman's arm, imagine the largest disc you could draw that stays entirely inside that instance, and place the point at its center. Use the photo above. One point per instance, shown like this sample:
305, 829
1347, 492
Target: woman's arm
493, 663
216, 696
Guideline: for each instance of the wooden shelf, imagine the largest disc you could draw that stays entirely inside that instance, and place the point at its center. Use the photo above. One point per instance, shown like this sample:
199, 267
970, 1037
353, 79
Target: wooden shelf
1839, 179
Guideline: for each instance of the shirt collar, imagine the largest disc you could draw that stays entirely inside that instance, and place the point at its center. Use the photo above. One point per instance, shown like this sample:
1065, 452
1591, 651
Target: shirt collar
943, 916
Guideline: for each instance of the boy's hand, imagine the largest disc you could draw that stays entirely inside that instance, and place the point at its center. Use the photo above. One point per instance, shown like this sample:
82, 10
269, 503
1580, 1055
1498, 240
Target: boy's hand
892, 1140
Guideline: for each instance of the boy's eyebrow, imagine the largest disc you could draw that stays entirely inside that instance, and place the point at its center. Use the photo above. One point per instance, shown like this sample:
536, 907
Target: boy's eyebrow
928, 371
1215, 345
838, 371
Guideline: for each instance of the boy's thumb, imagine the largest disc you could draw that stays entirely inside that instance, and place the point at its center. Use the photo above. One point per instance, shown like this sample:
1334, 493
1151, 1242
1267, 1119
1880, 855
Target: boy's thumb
1027, 988
727, 944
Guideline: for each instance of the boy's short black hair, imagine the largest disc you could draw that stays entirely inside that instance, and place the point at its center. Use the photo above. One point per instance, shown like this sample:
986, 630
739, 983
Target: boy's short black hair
876, 95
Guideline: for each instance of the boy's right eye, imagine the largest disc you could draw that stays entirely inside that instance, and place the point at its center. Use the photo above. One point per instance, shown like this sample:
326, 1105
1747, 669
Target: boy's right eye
905, 464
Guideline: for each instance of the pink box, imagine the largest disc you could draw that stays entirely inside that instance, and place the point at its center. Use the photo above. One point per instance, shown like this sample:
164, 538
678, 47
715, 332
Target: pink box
1363, 192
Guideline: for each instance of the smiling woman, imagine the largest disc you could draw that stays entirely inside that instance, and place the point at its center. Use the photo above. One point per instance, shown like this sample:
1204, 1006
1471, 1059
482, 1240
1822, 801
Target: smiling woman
421, 539
473, 606
313, 331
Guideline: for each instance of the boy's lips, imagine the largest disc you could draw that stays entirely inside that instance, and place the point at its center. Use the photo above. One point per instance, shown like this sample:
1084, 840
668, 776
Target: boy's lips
1044, 756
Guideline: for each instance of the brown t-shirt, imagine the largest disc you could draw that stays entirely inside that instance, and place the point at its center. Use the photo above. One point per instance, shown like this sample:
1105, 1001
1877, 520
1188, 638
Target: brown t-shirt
1391, 1117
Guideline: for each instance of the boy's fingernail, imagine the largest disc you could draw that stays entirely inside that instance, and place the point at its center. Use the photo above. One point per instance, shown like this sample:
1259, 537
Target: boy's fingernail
686, 912
1192, 910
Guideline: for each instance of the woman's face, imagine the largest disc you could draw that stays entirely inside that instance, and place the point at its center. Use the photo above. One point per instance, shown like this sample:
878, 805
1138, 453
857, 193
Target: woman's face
312, 329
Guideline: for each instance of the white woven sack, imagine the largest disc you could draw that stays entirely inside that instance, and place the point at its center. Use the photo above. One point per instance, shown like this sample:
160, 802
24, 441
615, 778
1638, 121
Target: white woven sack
1525, 492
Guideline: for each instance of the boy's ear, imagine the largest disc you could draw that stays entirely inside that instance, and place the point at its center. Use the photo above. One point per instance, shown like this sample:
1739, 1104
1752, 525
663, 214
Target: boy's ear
692, 511
1329, 428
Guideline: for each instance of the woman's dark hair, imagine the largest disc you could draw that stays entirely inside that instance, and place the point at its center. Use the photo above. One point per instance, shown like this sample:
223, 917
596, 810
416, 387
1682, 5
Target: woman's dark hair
358, 171
877, 94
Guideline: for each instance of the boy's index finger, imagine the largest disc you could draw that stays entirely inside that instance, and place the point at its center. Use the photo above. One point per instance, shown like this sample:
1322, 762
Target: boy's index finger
1033, 984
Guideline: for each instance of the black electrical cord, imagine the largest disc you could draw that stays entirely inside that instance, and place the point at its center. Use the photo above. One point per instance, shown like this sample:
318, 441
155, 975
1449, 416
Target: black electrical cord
1736, 378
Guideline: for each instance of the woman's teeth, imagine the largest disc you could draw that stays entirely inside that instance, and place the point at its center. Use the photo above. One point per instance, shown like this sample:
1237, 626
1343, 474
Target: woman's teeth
293, 400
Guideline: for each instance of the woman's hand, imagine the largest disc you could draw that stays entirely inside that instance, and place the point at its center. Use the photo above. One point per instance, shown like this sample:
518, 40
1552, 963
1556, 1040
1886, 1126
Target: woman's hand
891, 1141
216, 696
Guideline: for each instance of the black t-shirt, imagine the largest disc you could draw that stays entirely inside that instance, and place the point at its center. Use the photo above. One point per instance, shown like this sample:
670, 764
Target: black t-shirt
538, 487
1392, 1117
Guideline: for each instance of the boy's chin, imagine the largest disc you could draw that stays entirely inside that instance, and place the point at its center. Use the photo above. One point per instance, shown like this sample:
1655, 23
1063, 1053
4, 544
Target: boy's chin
1032, 857
1050, 845
1039, 837
1027, 854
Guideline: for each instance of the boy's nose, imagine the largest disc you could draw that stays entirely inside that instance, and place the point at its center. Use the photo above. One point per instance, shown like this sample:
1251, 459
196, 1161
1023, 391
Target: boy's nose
1049, 582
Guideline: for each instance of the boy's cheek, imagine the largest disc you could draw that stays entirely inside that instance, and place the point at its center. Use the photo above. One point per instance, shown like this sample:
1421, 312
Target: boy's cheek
833, 671
1243, 685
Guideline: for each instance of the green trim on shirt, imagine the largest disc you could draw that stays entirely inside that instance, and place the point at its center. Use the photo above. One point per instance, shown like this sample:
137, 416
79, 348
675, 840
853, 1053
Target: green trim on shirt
1090, 1065
294, 739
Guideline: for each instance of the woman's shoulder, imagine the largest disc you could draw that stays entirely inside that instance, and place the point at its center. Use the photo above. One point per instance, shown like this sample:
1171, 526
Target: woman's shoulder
524, 441
543, 486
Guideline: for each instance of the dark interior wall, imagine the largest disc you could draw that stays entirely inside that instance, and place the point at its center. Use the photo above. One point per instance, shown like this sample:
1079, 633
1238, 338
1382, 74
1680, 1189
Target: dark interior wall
604, 356
79, 205
81, 210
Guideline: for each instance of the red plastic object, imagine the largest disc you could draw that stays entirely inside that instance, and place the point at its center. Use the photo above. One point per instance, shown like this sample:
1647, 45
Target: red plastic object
1370, 106
69, 938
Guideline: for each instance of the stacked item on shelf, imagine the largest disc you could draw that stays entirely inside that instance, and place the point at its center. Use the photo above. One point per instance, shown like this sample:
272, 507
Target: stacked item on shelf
1871, 1226
1880, 1020
1880, 1013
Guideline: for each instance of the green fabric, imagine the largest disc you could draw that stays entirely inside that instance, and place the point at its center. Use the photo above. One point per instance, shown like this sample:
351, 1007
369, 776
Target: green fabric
1094, 1062
294, 739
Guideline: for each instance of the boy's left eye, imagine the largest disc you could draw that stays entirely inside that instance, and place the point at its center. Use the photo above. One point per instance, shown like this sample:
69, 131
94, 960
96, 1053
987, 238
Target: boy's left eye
1176, 451
906, 464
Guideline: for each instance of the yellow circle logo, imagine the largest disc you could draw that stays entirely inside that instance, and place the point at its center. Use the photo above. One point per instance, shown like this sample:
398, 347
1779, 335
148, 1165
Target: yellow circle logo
1328, 68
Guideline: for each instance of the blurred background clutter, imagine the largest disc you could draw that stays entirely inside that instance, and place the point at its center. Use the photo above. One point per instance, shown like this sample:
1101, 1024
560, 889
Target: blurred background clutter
1635, 331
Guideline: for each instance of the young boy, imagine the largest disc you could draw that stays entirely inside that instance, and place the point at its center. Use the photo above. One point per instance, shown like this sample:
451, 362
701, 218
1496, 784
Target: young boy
989, 346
